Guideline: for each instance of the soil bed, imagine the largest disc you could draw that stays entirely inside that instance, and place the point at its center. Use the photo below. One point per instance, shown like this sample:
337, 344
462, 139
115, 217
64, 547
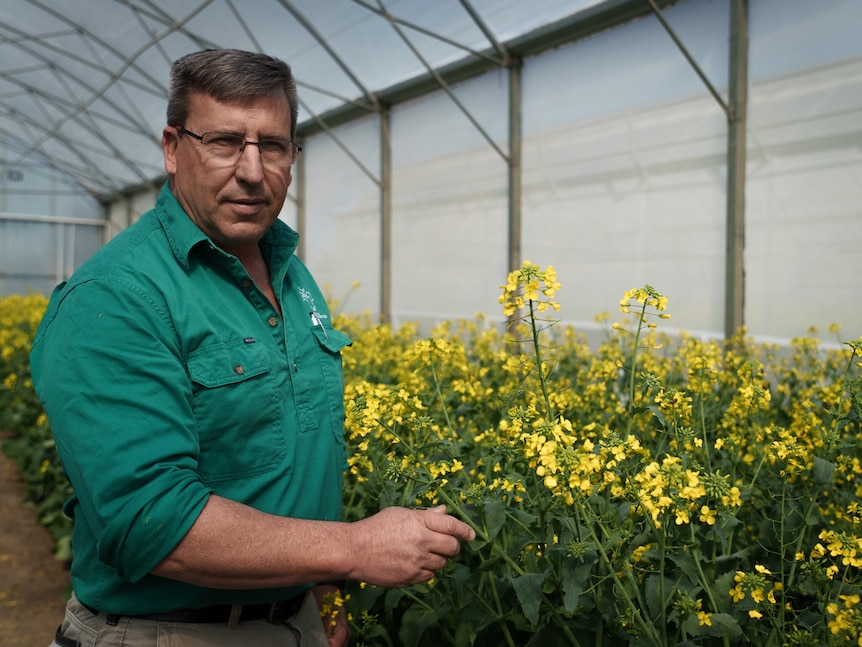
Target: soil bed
34, 584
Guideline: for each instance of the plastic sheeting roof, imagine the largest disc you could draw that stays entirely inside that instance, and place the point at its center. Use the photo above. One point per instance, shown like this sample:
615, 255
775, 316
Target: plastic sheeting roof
83, 85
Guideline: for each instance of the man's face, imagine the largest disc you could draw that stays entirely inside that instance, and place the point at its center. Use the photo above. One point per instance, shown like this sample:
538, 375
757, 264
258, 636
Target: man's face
234, 205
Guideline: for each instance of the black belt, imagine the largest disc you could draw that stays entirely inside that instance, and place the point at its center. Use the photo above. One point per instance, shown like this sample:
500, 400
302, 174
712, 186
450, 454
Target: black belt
275, 612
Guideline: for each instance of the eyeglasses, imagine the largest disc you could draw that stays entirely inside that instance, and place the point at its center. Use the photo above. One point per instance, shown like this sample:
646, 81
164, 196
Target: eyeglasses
225, 149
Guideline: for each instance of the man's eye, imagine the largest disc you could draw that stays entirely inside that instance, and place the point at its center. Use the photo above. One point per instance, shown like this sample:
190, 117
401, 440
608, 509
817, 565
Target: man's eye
224, 141
273, 147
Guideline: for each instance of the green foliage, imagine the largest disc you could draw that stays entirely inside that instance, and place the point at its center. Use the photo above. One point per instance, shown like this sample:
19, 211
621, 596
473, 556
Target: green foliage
27, 436
644, 492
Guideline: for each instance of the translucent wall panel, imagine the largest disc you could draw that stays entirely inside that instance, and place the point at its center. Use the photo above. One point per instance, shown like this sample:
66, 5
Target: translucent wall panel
449, 203
624, 160
124, 212
342, 234
35, 255
44, 230
804, 224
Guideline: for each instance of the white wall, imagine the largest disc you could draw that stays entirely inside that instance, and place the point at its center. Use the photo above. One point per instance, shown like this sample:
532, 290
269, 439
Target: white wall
624, 178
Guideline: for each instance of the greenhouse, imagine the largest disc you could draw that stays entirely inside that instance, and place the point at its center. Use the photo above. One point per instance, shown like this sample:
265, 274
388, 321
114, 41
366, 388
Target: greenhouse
572, 355
711, 149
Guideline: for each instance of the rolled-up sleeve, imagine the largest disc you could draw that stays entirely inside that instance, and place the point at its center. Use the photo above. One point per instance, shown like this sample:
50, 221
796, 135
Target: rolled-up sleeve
109, 369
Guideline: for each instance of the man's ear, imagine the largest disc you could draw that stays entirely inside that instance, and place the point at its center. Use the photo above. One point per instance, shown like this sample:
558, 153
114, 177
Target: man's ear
170, 141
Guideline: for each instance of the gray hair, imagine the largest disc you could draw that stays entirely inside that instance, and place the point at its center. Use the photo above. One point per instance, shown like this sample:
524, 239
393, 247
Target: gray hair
230, 76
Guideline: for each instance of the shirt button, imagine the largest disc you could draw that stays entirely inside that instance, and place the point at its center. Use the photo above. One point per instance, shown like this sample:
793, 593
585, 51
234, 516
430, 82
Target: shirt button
238, 369
246, 283
273, 322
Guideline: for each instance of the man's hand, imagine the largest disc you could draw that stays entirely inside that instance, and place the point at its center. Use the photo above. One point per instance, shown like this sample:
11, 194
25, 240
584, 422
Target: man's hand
399, 546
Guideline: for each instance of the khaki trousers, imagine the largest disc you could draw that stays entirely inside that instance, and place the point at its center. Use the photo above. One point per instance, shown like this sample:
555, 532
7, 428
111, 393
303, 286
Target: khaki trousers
81, 628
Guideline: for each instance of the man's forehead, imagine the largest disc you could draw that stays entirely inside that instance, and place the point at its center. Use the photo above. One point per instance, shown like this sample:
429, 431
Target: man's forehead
203, 105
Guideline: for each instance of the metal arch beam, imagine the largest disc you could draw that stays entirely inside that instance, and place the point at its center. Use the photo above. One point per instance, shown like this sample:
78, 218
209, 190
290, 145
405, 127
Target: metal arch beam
50, 131
386, 179
88, 169
497, 62
688, 57
156, 14
59, 101
514, 159
14, 143
51, 64
498, 47
128, 63
306, 24
242, 23
563, 32
445, 87
79, 28
325, 127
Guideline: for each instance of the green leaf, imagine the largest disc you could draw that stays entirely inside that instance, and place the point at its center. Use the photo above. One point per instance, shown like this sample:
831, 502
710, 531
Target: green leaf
392, 599
655, 601
823, 470
494, 516
575, 575
528, 588
415, 621
720, 589
686, 564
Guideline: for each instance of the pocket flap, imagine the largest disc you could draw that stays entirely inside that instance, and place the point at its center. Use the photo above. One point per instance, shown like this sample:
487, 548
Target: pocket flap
332, 340
228, 363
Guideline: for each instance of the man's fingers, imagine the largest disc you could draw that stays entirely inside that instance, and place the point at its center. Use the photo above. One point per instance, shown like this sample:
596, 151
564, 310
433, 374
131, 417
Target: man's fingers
447, 524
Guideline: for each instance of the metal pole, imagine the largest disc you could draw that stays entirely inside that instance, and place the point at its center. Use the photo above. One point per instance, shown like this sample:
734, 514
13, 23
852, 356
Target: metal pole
301, 212
385, 216
734, 299
514, 164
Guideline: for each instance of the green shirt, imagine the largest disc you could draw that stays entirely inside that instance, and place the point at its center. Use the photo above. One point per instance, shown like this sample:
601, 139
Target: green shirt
167, 375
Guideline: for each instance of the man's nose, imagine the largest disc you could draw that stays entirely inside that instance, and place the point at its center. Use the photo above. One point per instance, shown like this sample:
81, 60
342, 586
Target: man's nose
250, 164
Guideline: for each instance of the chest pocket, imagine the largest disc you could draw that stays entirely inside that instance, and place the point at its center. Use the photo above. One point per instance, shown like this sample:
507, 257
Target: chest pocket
236, 406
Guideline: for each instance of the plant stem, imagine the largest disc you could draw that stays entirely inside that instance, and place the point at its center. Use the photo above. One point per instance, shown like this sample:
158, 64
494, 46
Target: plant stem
428, 608
702, 409
633, 368
707, 585
503, 624
537, 350
648, 630
442, 401
480, 532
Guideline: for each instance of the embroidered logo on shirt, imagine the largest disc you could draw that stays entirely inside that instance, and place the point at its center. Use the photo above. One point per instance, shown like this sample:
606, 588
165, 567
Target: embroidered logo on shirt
309, 299
316, 317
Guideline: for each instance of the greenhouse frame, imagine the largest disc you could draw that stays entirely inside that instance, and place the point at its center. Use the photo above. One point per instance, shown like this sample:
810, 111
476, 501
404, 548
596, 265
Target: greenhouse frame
709, 148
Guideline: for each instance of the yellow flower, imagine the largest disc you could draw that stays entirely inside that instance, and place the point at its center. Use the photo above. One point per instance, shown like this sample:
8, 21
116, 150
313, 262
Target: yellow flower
707, 515
704, 618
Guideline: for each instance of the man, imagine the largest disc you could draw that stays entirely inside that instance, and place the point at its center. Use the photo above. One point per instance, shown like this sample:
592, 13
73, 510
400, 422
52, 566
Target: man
193, 383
